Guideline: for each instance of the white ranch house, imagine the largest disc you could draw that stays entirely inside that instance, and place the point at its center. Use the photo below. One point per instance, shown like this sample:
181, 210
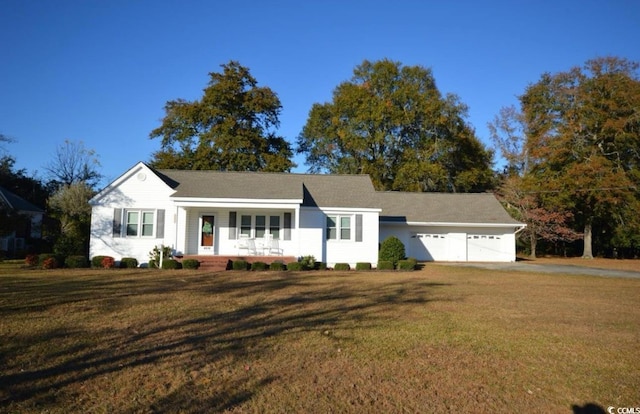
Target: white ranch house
335, 218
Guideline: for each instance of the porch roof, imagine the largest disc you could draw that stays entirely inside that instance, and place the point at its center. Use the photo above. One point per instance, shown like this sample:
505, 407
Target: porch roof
319, 190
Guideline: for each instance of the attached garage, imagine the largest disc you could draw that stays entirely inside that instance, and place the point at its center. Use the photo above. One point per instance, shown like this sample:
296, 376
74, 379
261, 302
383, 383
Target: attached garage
450, 227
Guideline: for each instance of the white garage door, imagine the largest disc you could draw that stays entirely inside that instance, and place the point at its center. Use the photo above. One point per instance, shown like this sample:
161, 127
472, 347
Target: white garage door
484, 247
429, 246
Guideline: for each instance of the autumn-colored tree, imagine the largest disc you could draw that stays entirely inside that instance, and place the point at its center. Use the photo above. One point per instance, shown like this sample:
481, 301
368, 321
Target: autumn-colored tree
519, 191
230, 128
390, 121
583, 138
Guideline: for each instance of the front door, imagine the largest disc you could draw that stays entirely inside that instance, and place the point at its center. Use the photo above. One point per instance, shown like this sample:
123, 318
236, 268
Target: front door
207, 234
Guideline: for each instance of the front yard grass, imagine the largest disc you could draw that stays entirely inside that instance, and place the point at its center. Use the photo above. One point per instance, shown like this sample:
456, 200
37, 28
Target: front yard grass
440, 339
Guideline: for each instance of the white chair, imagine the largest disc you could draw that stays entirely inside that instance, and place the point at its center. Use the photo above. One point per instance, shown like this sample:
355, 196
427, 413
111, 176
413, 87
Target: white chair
247, 244
274, 248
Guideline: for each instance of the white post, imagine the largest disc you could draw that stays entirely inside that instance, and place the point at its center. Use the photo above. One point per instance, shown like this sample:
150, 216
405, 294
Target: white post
161, 256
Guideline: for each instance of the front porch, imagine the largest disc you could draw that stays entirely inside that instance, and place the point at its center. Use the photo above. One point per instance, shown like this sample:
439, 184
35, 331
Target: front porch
219, 263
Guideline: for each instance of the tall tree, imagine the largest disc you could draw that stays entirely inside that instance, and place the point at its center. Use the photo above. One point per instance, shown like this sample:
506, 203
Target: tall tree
73, 163
583, 133
391, 122
70, 206
523, 195
230, 128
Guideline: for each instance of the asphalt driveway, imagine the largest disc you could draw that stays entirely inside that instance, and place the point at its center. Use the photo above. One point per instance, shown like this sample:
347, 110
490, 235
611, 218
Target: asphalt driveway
552, 268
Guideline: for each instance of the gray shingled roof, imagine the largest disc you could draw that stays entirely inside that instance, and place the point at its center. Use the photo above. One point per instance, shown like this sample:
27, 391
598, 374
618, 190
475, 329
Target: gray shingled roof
442, 208
350, 191
314, 189
16, 202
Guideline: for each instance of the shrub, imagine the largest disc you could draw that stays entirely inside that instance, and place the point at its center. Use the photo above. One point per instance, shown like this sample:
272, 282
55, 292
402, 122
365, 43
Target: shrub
50, 263
44, 256
391, 250
108, 262
341, 266
385, 265
258, 266
96, 261
76, 262
239, 265
128, 263
190, 264
407, 264
321, 266
154, 255
363, 266
31, 260
295, 266
277, 266
308, 262
171, 264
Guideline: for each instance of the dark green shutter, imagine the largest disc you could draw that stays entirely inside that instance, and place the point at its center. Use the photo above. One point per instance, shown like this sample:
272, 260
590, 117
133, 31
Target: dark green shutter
159, 224
117, 222
358, 227
287, 226
232, 225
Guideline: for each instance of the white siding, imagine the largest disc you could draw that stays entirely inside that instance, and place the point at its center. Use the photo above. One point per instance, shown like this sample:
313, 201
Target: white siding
138, 189
351, 251
454, 244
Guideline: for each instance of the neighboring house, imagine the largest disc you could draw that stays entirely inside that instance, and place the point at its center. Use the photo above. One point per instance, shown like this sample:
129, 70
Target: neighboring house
335, 218
31, 228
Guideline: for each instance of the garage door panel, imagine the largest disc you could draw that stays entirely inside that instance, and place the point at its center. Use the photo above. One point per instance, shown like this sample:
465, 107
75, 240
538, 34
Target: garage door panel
484, 247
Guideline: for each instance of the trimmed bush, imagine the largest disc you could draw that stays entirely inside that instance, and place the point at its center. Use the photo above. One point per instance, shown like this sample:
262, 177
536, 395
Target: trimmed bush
295, 266
391, 250
108, 262
96, 261
171, 264
128, 263
321, 266
31, 260
342, 266
277, 266
407, 264
258, 266
50, 263
308, 262
385, 265
239, 265
363, 266
76, 262
57, 260
190, 264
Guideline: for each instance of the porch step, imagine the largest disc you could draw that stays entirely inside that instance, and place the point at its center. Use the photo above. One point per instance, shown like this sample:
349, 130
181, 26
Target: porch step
219, 263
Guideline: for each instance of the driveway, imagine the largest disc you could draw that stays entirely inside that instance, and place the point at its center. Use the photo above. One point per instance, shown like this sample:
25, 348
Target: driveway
551, 268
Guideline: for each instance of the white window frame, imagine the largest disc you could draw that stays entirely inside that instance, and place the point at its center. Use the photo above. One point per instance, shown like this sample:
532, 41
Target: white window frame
140, 225
339, 228
266, 227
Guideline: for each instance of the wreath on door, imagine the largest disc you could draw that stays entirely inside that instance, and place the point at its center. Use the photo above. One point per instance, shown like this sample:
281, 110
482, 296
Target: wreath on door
207, 228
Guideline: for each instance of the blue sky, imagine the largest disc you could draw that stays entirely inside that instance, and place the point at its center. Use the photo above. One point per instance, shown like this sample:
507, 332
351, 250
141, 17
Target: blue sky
101, 71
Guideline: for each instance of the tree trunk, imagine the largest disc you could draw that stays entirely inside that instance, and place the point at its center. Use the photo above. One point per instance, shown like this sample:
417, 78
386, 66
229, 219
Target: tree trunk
587, 252
533, 241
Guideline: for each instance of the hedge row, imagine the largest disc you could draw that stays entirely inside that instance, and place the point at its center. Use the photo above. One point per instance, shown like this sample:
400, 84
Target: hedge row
406, 264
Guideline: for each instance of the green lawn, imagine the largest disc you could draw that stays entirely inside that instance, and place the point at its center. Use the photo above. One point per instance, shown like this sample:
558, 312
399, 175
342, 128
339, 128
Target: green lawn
440, 339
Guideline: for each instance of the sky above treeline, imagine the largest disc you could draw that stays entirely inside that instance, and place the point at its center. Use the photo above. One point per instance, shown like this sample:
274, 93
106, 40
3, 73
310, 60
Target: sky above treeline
101, 71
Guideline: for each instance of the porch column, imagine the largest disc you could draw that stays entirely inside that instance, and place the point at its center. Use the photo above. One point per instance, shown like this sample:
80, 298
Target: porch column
180, 223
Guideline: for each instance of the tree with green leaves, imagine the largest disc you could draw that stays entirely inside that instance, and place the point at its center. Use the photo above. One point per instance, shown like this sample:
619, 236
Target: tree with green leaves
70, 206
231, 128
583, 143
390, 121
